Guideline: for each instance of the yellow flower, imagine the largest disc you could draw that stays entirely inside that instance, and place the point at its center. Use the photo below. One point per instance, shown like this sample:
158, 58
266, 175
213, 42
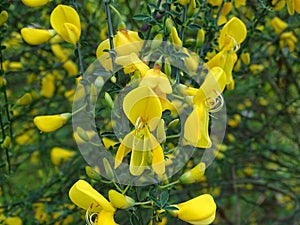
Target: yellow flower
66, 22
119, 200
232, 34
13, 221
225, 60
86, 197
60, 155
34, 36
196, 125
199, 211
193, 175
52, 122
26, 99
125, 42
289, 39
278, 25
3, 17
239, 3
143, 108
48, 86
35, 3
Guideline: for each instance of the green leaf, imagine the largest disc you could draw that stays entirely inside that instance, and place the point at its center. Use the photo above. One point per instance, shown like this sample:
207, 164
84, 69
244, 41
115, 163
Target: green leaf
194, 26
134, 220
164, 197
142, 17
151, 5
170, 207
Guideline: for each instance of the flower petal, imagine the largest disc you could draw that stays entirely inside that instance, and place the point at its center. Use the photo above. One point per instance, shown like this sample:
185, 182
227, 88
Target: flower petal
124, 148
213, 85
34, 36
233, 33
199, 211
142, 104
63, 15
85, 196
106, 218
158, 157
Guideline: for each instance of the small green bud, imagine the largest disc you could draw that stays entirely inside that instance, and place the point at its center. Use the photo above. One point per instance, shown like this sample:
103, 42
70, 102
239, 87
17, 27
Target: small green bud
6, 143
82, 134
109, 100
93, 173
108, 169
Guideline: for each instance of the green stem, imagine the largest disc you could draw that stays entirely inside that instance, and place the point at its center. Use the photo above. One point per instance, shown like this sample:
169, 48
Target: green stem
169, 184
143, 203
110, 32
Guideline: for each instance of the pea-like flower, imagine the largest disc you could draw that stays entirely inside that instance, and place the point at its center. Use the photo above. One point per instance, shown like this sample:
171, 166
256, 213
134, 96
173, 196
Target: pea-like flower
66, 22
35, 36
143, 108
51, 122
198, 211
205, 100
35, 3
60, 155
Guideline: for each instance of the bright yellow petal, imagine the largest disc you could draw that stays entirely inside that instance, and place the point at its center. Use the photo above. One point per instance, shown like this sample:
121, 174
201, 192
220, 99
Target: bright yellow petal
141, 105
63, 15
85, 196
199, 210
51, 123
213, 85
140, 155
291, 6
60, 155
297, 6
35, 3
70, 33
233, 33
158, 157
124, 148
34, 36
278, 25
106, 218
191, 129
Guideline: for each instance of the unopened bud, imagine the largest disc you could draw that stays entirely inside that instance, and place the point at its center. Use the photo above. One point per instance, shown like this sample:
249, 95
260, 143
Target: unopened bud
108, 169
26, 99
169, 24
175, 38
245, 56
119, 200
6, 143
82, 134
191, 8
99, 82
93, 94
109, 100
193, 175
200, 37
2, 82
157, 40
3, 17
160, 132
93, 173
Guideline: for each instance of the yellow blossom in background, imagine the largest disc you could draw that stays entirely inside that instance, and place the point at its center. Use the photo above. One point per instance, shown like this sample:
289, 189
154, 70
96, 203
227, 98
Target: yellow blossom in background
278, 25
52, 122
48, 86
239, 3
13, 221
35, 3
35, 36
26, 99
143, 108
60, 155
66, 22
3, 17
200, 210
288, 39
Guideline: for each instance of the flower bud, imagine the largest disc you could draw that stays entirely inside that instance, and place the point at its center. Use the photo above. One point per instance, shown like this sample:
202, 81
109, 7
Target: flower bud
82, 134
245, 56
119, 200
109, 100
108, 169
169, 24
35, 3
60, 155
52, 122
191, 8
6, 143
3, 82
3, 17
193, 175
34, 36
92, 173
175, 38
93, 94
157, 40
183, 2
200, 37
26, 99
